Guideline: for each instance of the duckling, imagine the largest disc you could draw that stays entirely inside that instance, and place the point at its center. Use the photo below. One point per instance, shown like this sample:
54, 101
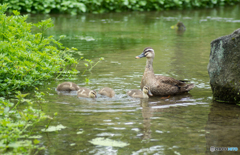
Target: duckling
109, 92
161, 85
85, 92
68, 86
140, 94
179, 26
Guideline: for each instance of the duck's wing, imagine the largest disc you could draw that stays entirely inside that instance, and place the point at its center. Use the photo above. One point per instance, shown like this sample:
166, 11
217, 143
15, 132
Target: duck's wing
63, 87
83, 92
75, 87
170, 81
130, 92
104, 92
134, 93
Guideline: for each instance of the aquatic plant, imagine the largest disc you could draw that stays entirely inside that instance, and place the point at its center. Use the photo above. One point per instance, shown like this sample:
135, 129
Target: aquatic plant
89, 64
101, 6
16, 125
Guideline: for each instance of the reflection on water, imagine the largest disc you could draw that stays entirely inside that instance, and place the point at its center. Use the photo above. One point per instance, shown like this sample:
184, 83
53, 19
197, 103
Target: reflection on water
222, 128
183, 124
147, 113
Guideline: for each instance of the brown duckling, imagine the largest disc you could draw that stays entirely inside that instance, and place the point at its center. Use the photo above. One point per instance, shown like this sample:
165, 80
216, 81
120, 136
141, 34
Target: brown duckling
85, 92
179, 26
140, 94
161, 85
109, 92
68, 86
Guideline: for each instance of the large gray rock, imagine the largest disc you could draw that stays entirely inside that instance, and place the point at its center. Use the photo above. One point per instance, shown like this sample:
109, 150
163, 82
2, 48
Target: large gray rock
224, 68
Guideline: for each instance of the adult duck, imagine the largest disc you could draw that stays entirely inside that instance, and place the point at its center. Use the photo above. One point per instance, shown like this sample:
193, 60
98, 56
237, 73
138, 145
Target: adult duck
160, 85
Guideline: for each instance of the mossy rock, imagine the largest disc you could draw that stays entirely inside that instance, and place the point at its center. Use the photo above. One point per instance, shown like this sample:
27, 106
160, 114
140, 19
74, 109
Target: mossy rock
224, 67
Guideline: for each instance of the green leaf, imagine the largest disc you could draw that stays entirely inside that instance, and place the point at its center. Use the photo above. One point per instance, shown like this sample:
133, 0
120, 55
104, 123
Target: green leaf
15, 12
142, 3
35, 141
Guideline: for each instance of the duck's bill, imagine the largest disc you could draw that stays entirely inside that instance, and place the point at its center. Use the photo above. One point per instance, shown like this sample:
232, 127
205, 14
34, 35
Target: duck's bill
140, 56
150, 93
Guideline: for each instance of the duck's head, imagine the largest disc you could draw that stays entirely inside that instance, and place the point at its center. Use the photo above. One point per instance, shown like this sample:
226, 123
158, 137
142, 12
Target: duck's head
147, 52
146, 90
92, 94
180, 26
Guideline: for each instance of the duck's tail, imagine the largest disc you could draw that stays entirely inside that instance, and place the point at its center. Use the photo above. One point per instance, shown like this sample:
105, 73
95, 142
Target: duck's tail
187, 88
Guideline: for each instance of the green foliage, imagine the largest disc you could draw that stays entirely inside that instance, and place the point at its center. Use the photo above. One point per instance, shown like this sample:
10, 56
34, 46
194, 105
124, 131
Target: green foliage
14, 124
100, 6
46, 6
26, 59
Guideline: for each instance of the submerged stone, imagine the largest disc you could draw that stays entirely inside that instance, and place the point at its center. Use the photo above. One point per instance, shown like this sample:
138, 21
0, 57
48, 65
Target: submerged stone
224, 68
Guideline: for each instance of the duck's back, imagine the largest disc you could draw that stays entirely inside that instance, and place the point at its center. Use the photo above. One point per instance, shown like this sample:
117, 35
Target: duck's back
107, 92
135, 93
163, 85
68, 86
83, 92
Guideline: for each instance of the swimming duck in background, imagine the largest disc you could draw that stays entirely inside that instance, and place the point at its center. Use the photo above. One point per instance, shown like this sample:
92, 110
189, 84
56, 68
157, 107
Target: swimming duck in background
179, 26
140, 94
68, 86
160, 85
85, 92
109, 92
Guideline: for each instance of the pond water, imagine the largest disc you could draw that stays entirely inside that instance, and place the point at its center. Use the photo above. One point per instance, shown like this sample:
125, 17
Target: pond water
180, 125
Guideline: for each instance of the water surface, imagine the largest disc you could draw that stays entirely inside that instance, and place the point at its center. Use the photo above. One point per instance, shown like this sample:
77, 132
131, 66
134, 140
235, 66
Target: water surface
180, 125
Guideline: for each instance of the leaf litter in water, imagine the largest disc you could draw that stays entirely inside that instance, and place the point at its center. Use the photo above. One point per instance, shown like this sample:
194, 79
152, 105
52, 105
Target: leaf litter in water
108, 142
54, 128
72, 144
80, 132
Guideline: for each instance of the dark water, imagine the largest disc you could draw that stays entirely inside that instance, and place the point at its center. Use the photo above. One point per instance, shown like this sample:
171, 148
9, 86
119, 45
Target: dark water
180, 125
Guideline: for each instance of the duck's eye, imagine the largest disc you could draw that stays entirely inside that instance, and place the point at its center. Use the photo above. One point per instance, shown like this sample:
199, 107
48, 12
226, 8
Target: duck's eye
146, 53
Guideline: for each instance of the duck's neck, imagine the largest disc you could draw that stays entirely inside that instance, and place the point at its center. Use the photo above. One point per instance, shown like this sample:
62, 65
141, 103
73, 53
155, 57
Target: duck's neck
148, 75
149, 65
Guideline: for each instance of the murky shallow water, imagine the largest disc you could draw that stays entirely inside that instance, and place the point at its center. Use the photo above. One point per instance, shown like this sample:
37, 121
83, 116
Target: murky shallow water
183, 124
